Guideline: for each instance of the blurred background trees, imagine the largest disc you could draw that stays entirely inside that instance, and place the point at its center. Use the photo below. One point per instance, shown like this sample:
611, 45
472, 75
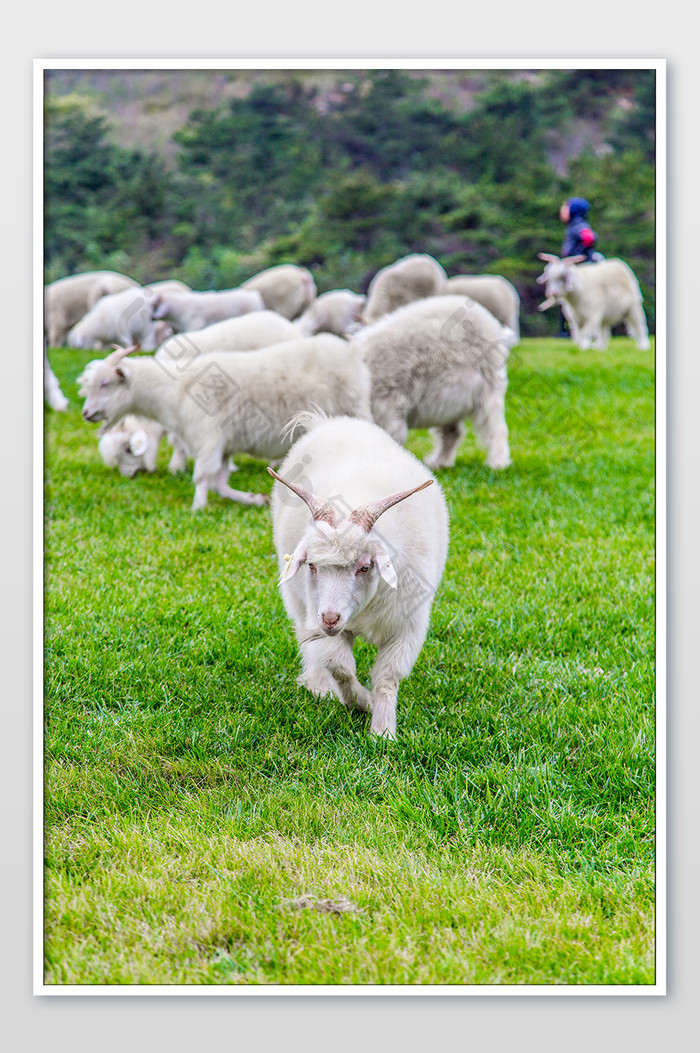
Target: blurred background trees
344, 172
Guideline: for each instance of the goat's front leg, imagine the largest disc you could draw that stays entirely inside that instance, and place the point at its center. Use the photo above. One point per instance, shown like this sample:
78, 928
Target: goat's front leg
395, 660
329, 668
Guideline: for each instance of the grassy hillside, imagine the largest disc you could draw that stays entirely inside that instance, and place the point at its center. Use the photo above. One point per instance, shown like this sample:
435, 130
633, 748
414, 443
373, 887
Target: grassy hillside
208, 822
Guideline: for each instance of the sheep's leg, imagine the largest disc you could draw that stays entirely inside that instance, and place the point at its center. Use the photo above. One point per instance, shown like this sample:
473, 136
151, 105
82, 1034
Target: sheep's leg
221, 486
636, 326
392, 419
447, 441
601, 339
395, 660
178, 461
491, 429
329, 668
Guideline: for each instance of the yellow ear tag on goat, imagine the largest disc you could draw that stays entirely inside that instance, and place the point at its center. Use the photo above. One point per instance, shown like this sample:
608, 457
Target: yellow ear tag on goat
287, 560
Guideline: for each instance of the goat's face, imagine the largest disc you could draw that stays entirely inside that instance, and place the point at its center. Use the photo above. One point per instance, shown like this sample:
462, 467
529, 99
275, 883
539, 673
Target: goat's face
342, 567
124, 448
106, 391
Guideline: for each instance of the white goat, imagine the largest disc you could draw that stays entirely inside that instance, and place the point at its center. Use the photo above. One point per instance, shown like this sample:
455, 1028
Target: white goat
189, 310
411, 278
249, 332
492, 291
341, 577
434, 363
286, 288
231, 402
338, 311
123, 317
68, 299
594, 297
131, 445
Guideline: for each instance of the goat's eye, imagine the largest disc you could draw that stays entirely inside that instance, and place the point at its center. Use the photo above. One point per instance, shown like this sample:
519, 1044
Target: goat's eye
363, 569
312, 568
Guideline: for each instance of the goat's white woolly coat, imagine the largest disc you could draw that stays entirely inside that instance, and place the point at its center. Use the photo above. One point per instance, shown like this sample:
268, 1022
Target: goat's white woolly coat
189, 310
411, 278
492, 291
119, 318
69, 299
350, 463
233, 402
434, 363
286, 288
338, 311
249, 332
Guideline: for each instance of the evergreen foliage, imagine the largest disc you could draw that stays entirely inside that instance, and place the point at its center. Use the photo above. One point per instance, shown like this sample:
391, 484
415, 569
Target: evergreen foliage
348, 183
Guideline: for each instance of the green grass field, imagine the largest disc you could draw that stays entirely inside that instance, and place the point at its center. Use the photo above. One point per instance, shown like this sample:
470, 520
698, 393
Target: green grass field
208, 822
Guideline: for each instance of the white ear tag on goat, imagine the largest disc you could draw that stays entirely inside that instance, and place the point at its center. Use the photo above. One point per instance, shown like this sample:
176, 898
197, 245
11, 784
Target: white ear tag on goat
138, 443
292, 563
386, 567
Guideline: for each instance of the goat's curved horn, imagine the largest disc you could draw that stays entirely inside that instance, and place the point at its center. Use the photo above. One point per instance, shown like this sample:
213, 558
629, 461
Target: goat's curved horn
574, 259
547, 256
121, 352
319, 508
367, 515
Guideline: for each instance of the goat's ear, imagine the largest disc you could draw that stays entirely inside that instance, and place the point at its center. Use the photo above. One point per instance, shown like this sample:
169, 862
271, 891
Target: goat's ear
293, 562
385, 567
138, 443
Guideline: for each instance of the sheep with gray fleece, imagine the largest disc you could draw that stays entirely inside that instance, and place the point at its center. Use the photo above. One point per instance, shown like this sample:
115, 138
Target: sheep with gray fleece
340, 576
68, 299
191, 310
493, 292
338, 311
594, 297
231, 402
413, 277
123, 317
286, 288
434, 363
249, 332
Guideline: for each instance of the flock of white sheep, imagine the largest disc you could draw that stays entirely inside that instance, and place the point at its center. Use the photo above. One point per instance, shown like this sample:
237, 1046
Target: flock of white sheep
248, 370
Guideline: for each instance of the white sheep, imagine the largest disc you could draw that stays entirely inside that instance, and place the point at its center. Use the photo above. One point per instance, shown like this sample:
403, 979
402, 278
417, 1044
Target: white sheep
249, 332
187, 311
131, 445
338, 311
53, 396
340, 576
411, 278
492, 291
68, 299
123, 317
594, 297
286, 288
231, 402
434, 363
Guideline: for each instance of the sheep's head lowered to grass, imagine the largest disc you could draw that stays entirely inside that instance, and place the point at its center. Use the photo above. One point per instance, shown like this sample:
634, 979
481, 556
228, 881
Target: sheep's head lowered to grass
344, 560
104, 385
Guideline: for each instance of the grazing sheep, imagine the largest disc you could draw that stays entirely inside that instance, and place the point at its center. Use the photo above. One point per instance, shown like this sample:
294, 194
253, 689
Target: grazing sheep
123, 317
432, 364
493, 292
187, 311
410, 278
231, 402
287, 289
250, 332
68, 299
131, 445
341, 577
594, 297
53, 396
338, 311
168, 285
